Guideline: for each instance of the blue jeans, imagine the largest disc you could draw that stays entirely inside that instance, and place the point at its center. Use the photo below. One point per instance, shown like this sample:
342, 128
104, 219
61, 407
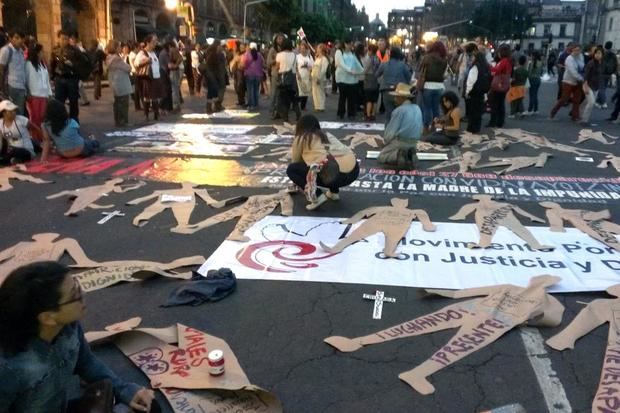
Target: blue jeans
18, 97
252, 84
430, 105
533, 102
601, 96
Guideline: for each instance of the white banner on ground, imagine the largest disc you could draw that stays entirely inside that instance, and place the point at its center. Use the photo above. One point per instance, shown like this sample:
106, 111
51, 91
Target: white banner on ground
287, 248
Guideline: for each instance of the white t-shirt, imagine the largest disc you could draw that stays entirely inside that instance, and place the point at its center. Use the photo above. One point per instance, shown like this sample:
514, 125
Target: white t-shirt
286, 61
17, 134
143, 56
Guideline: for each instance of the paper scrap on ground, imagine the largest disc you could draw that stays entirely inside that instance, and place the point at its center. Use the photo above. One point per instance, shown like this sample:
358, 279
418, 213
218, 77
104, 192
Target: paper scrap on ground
252, 211
43, 247
181, 201
589, 134
490, 215
467, 161
596, 224
372, 154
427, 146
8, 173
225, 114
425, 156
288, 249
598, 312
516, 163
108, 273
86, 197
353, 126
181, 372
392, 221
481, 321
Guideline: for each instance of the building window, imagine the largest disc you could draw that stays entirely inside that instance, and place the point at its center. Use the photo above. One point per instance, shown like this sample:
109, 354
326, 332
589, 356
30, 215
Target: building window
562, 30
561, 45
611, 24
530, 46
546, 30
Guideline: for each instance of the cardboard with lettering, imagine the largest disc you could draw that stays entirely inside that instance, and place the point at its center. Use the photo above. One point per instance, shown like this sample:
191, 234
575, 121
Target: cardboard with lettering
181, 372
516, 163
86, 197
253, 210
594, 223
392, 221
11, 173
597, 312
589, 134
181, 201
490, 215
43, 247
109, 273
481, 321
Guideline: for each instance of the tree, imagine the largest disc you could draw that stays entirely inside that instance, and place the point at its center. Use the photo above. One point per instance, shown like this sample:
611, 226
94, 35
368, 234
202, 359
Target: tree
278, 15
503, 19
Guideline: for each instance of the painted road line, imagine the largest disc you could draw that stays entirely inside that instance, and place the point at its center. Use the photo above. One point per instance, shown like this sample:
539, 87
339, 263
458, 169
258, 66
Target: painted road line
548, 380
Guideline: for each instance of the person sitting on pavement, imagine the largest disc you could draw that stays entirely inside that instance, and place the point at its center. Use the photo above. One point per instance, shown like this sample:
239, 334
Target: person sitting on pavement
65, 133
447, 127
403, 130
312, 146
16, 145
42, 345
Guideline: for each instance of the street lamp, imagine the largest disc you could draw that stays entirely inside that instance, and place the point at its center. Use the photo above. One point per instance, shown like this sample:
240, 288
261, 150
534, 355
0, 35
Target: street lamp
245, 12
171, 4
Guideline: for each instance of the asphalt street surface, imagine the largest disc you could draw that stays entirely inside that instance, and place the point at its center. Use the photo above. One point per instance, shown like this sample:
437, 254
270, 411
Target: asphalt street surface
277, 328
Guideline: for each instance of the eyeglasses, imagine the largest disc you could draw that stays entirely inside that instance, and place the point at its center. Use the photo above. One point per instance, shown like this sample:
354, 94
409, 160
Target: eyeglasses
76, 297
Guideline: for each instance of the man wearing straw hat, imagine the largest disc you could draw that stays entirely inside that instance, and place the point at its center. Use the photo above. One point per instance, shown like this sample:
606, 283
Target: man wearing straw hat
402, 131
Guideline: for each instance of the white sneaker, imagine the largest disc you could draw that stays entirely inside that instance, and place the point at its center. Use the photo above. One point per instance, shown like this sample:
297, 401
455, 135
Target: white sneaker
604, 106
598, 105
526, 113
319, 201
332, 196
511, 116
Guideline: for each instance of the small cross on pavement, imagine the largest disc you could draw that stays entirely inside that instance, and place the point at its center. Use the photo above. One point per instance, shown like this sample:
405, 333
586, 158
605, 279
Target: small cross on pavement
379, 298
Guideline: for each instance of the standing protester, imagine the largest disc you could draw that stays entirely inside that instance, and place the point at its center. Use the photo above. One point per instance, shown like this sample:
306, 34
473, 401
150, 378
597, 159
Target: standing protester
572, 82
137, 97
499, 87
561, 68
164, 61
118, 76
75, 41
65, 75
212, 76
38, 87
319, 78
312, 146
253, 64
13, 71
430, 81
383, 54
272, 69
347, 69
175, 75
610, 65
17, 145
392, 73
534, 74
149, 76
477, 85
371, 65
287, 83
593, 79
96, 56
464, 65
236, 69
197, 59
360, 102
516, 93
223, 72
43, 349
304, 63
188, 67
332, 66
551, 60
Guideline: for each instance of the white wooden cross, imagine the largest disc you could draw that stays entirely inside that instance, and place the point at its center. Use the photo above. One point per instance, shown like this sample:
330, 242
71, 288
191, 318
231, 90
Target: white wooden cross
109, 216
379, 298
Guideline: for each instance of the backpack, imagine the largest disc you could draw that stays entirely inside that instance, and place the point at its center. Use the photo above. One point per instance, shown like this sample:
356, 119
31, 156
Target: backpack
483, 83
82, 65
610, 63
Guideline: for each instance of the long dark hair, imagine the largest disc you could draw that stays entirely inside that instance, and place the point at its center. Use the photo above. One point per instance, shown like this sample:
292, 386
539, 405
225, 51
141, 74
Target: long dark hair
56, 115
27, 292
451, 97
33, 56
307, 128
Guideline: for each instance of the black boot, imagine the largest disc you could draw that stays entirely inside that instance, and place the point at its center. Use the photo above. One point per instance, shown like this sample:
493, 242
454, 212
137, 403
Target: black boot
156, 109
209, 108
147, 105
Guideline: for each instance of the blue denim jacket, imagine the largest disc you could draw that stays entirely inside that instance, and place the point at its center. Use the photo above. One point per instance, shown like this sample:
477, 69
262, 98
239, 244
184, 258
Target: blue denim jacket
392, 73
39, 379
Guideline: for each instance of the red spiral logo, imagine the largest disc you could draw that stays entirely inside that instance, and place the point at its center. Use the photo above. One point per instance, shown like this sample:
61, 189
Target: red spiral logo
292, 254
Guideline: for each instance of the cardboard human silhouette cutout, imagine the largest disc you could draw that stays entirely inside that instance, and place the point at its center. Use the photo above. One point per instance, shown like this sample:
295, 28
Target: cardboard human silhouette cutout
285, 154
540, 142
392, 221
43, 247
589, 134
516, 163
598, 312
253, 210
490, 215
610, 160
466, 161
181, 372
469, 139
358, 138
181, 201
594, 223
498, 142
108, 273
428, 147
284, 129
481, 321
9, 173
88, 196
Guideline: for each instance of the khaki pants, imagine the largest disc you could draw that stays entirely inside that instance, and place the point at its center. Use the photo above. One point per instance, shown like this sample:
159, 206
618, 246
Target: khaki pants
318, 94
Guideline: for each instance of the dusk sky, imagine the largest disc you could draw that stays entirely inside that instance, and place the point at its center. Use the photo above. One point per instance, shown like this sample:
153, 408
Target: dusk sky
383, 7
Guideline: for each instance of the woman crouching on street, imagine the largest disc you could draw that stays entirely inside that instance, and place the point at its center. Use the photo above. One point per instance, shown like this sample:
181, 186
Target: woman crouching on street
447, 127
320, 160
